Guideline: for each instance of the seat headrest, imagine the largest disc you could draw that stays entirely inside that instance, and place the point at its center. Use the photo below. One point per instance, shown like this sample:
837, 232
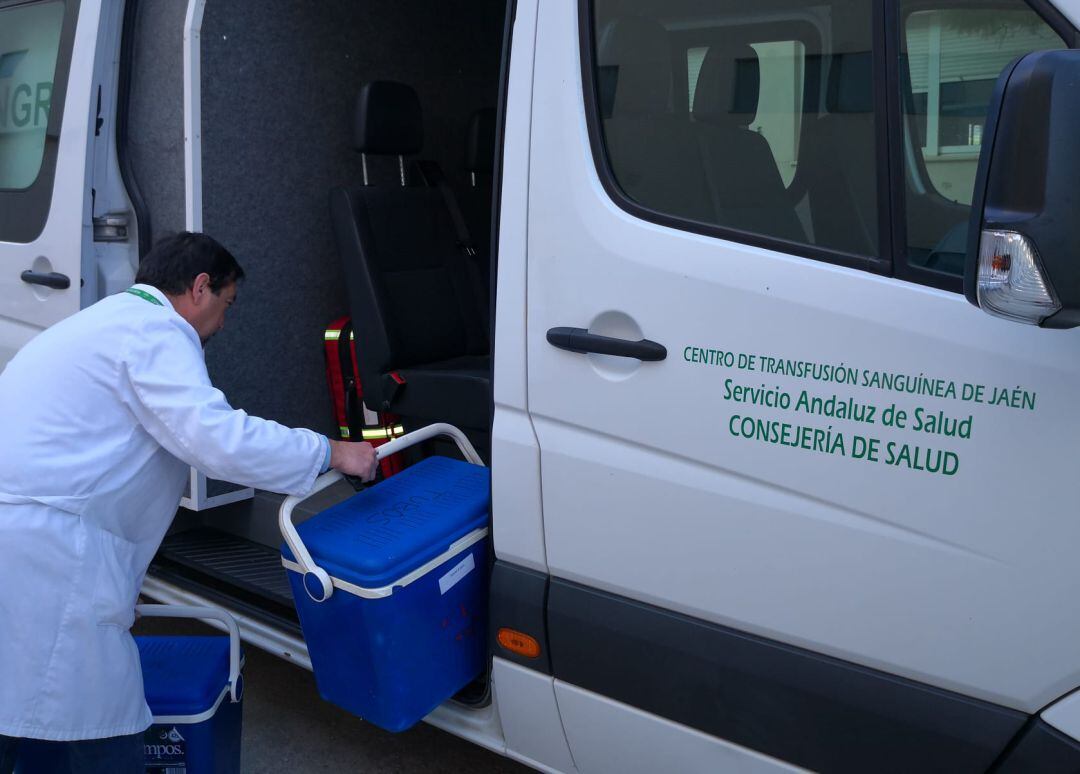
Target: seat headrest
480, 142
635, 71
388, 119
851, 83
728, 86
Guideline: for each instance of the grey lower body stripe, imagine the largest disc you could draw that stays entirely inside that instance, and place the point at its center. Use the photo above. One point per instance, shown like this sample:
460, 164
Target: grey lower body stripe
793, 704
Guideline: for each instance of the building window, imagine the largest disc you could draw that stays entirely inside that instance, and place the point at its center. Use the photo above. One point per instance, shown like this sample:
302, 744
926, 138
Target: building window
954, 55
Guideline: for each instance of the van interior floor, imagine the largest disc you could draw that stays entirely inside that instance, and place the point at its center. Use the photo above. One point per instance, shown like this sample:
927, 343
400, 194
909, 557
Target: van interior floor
231, 569
249, 566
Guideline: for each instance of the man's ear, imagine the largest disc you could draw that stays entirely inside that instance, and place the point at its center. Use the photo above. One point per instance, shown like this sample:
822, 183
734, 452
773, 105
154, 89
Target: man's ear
200, 288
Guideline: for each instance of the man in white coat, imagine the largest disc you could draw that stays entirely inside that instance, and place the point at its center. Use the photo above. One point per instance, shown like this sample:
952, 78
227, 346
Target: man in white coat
101, 416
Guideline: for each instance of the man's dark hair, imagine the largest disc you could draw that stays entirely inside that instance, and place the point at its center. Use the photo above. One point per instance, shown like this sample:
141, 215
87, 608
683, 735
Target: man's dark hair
175, 261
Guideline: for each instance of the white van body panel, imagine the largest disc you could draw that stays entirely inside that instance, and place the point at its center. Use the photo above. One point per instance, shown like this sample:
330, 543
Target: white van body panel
1065, 715
518, 538
1070, 9
965, 582
530, 717
516, 490
107, 267
68, 233
608, 736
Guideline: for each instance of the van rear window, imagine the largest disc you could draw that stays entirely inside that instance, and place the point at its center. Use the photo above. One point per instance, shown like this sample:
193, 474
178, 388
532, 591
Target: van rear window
29, 46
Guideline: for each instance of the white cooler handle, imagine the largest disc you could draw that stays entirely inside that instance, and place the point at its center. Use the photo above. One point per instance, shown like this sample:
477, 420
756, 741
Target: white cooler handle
317, 581
236, 680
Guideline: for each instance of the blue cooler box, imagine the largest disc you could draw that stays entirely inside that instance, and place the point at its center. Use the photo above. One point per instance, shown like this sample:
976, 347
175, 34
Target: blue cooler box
196, 724
404, 628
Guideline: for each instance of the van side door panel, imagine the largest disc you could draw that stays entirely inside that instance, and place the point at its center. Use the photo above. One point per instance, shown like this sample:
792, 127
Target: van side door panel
834, 462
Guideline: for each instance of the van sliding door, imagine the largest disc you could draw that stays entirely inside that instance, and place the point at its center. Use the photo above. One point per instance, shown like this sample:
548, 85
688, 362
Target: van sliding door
798, 506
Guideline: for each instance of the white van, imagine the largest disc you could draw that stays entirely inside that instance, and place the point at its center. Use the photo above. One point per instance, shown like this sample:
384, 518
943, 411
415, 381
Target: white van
769, 492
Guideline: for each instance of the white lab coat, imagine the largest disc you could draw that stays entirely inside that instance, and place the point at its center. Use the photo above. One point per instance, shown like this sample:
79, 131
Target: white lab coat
100, 417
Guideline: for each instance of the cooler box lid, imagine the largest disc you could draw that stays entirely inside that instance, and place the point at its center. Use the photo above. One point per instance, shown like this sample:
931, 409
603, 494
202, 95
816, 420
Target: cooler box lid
183, 675
385, 532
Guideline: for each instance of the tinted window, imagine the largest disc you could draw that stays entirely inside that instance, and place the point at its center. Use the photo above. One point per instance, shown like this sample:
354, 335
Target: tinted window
29, 44
709, 114
954, 55
781, 66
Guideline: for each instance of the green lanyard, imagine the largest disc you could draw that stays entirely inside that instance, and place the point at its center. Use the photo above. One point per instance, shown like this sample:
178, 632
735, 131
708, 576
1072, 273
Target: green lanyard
144, 296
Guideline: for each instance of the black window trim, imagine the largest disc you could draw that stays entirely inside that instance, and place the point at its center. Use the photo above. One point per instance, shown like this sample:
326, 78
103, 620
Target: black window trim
24, 212
888, 122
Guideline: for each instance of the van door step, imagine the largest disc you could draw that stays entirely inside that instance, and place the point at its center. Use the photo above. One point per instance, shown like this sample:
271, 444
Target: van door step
250, 567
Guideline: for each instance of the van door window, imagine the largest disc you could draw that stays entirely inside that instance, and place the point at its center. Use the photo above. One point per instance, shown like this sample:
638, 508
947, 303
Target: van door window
760, 126
36, 44
29, 45
953, 54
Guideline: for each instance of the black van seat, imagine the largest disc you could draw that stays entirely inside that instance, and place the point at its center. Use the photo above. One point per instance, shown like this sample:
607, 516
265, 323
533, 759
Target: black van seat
746, 184
462, 382
837, 149
421, 343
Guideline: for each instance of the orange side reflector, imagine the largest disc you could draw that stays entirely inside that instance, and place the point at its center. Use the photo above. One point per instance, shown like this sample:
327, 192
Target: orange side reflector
519, 643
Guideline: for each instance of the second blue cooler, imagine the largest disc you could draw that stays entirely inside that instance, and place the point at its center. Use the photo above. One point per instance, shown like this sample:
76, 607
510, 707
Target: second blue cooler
403, 627
194, 689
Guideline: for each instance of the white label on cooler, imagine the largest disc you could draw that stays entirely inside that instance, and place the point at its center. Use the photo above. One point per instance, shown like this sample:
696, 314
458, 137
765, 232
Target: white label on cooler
463, 568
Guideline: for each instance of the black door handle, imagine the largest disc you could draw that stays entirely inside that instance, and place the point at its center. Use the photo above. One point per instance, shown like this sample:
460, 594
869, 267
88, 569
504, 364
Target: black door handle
580, 340
49, 279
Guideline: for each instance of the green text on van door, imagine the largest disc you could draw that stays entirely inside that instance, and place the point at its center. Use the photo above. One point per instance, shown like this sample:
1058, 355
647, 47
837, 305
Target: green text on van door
25, 105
